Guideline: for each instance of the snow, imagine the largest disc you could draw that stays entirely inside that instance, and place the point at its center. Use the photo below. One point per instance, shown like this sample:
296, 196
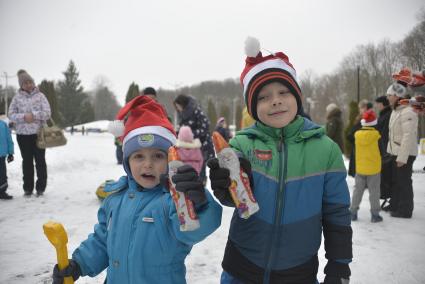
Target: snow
392, 251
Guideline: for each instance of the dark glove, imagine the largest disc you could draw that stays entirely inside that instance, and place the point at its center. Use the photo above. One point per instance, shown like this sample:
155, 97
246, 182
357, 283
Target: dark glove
337, 273
335, 280
73, 269
220, 180
10, 158
187, 181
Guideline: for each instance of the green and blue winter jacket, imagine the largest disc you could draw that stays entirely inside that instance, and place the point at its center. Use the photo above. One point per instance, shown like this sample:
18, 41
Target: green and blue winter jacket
300, 185
138, 237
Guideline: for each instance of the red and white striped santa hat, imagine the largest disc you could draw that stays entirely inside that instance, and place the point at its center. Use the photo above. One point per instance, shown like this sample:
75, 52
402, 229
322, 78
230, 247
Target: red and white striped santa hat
260, 71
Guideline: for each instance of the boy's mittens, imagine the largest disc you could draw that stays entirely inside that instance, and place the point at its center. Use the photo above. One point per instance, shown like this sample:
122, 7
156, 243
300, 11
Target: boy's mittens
337, 272
10, 158
187, 181
335, 280
73, 269
220, 182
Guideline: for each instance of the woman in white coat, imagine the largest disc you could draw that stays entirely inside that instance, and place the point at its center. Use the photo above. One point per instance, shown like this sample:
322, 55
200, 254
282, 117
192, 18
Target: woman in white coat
403, 147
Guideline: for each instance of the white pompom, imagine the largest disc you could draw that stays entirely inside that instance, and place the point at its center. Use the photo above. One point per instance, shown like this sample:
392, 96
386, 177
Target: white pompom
116, 128
252, 46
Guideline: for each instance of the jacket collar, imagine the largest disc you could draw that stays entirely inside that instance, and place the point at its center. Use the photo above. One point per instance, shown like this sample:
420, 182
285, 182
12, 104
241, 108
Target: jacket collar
299, 129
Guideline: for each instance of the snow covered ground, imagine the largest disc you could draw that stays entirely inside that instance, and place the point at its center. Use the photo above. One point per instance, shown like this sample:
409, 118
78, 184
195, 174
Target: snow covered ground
389, 252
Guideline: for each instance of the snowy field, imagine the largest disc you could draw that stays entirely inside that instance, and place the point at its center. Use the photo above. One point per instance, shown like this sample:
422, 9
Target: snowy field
389, 252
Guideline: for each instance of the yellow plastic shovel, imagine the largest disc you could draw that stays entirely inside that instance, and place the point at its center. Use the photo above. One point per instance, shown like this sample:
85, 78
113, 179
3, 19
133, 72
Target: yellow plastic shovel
56, 234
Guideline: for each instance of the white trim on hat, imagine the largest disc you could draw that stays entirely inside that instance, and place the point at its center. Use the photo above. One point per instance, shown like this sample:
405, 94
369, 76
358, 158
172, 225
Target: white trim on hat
153, 129
371, 123
271, 63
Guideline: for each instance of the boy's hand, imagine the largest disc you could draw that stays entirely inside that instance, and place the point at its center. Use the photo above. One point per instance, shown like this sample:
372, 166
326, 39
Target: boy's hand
337, 273
187, 181
220, 182
73, 269
335, 280
10, 158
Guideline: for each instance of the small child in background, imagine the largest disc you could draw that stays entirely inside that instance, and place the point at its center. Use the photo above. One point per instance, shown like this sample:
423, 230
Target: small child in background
189, 149
6, 152
138, 237
222, 128
118, 150
368, 166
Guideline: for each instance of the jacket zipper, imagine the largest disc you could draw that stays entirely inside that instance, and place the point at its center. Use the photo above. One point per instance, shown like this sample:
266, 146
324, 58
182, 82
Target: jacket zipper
279, 207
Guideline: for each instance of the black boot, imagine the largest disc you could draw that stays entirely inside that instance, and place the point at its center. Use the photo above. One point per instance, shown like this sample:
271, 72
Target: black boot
399, 214
5, 196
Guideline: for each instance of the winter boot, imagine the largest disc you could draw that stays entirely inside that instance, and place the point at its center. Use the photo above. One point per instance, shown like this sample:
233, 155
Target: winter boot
5, 196
376, 218
354, 216
399, 214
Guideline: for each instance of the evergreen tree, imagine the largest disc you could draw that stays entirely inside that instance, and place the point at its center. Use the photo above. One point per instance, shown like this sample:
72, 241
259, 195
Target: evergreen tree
354, 112
105, 104
224, 112
86, 112
71, 96
9, 92
48, 89
212, 114
133, 91
238, 116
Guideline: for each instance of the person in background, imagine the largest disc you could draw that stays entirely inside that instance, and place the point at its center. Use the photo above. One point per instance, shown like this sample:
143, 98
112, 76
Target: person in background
222, 128
190, 114
247, 119
29, 110
138, 237
298, 178
403, 147
335, 125
150, 92
368, 166
189, 149
6, 153
383, 106
118, 150
363, 106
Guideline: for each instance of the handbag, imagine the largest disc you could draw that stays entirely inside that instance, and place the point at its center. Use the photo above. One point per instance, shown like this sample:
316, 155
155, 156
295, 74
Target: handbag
50, 136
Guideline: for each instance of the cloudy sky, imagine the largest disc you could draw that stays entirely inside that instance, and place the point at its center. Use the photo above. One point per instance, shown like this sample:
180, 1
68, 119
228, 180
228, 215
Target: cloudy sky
173, 43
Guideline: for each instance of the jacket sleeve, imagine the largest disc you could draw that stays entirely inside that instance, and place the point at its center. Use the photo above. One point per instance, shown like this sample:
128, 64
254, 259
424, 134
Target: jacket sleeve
409, 125
209, 218
336, 217
92, 254
14, 114
45, 112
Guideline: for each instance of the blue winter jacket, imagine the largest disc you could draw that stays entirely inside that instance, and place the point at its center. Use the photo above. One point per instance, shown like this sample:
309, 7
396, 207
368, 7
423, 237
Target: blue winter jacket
138, 238
6, 142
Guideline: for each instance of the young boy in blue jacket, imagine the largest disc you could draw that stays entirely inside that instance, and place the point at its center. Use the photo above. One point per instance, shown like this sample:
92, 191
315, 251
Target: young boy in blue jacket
6, 153
298, 179
138, 237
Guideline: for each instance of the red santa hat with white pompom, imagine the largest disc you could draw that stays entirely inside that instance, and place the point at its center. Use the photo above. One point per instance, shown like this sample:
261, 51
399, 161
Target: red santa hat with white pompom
140, 116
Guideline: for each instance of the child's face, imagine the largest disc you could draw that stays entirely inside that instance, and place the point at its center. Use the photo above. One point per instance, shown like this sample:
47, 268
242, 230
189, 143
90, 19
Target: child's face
276, 106
28, 86
147, 165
